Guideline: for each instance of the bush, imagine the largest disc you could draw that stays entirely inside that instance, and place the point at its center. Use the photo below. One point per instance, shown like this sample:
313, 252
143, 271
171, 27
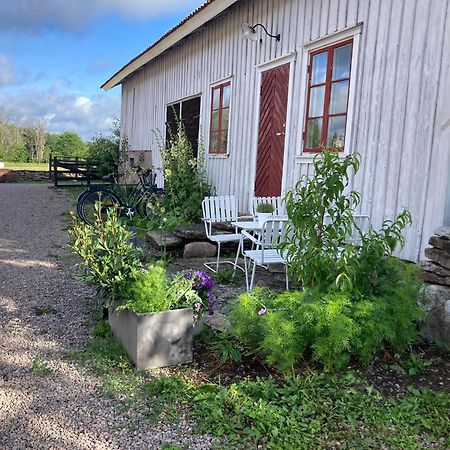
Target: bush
185, 182
109, 259
333, 326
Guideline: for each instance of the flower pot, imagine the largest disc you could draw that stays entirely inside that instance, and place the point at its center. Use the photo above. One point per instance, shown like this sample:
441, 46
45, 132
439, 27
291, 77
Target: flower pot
263, 217
155, 339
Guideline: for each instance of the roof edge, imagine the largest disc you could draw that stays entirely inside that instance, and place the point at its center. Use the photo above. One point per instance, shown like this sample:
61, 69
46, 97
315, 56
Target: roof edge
203, 14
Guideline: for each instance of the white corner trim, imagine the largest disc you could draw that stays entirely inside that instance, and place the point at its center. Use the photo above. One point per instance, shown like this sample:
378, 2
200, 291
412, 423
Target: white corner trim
333, 38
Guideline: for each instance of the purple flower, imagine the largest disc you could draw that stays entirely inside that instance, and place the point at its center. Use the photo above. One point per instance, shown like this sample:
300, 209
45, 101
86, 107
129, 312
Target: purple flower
262, 311
197, 306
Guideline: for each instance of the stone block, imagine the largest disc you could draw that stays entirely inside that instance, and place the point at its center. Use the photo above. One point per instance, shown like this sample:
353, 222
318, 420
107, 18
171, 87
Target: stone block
155, 339
436, 302
430, 277
443, 232
199, 250
429, 266
192, 232
438, 256
161, 239
440, 243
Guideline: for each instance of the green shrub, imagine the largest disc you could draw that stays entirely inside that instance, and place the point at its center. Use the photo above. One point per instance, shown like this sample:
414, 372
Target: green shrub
109, 259
319, 244
185, 182
332, 327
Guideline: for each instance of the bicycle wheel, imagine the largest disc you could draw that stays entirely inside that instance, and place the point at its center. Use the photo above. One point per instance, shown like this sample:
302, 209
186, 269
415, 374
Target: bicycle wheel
84, 193
148, 206
87, 204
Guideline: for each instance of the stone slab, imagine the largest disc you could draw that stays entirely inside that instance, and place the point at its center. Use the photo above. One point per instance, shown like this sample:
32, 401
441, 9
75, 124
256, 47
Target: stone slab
440, 243
199, 250
431, 267
192, 232
436, 302
433, 278
155, 339
161, 239
443, 232
438, 256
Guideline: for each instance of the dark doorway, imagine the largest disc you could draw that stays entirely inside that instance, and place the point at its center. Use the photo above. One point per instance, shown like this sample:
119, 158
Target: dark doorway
272, 127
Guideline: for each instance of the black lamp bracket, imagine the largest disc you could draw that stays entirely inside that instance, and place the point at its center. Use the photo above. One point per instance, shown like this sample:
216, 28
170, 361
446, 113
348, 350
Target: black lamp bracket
275, 36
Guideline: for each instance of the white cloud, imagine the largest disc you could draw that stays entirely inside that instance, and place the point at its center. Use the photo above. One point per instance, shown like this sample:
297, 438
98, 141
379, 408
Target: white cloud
7, 71
36, 15
64, 112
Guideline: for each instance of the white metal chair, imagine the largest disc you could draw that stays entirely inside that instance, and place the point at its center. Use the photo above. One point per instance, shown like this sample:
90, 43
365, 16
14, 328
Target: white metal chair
276, 202
265, 250
215, 210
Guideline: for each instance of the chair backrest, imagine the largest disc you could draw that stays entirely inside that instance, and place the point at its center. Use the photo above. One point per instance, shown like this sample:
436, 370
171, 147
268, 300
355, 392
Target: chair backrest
274, 232
221, 208
276, 202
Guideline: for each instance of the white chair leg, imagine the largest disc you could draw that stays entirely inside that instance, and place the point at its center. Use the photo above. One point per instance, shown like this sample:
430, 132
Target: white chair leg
218, 257
287, 278
253, 275
241, 245
246, 274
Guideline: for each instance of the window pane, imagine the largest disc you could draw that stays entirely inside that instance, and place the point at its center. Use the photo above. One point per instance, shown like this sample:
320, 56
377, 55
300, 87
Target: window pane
341, 62
314, 137
213, 142
224, 143
316, 101
226, 97
216, 98
319, 68
339, 95
215, 121
336, 132
225, 118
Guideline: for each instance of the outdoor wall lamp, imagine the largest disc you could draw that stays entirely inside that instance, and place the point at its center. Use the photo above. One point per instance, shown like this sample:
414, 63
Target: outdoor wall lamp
249, 32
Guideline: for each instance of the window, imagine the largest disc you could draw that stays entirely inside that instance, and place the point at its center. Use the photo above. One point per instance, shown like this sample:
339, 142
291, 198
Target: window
220, 119
327, 101
188, 111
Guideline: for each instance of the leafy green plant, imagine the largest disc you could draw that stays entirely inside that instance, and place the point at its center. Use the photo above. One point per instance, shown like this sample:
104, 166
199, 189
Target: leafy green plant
185, 181
325, 245
415, 364
227, 347
228, 276
265, 208
109, 259
332, 327
40, 367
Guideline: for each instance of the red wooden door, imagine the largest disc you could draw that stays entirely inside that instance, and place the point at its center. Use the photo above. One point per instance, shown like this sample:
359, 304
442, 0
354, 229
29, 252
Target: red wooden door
272, 127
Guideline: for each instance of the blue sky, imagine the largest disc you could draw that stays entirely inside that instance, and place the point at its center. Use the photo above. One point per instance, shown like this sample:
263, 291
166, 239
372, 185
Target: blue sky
55, 54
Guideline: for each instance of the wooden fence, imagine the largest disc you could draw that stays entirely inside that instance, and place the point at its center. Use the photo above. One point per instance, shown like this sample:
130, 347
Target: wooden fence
72, 172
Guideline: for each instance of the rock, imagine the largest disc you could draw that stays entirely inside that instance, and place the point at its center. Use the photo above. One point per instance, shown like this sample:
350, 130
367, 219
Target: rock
440, 242
161, 239
436, 302
429, 266
443, 232
438, 256
199, 250
192, 232
430, 277
224, 226
217, 321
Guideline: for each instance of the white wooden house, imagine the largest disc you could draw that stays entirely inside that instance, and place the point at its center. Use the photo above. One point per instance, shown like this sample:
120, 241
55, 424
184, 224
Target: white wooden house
370, 76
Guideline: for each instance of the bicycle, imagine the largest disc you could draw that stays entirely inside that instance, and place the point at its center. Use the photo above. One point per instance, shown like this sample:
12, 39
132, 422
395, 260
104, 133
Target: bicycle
141, 200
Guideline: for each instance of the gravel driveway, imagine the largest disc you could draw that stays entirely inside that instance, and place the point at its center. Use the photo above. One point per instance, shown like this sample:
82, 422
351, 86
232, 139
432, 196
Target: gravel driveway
64, 410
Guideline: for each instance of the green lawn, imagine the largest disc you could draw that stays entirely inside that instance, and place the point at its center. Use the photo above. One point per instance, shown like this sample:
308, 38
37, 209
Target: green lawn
25, 166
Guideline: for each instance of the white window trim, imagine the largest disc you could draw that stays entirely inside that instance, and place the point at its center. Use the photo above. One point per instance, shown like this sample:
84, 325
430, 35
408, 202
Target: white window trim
211, 87
353, 32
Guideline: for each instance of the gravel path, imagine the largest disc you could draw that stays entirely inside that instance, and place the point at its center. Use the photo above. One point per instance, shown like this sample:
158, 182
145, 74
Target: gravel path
64, 410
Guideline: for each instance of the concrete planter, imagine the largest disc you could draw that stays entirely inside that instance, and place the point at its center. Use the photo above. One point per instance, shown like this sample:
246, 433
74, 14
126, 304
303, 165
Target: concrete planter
155, 339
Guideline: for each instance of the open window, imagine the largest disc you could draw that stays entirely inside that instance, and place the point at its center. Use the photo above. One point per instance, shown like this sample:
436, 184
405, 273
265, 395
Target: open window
329, 73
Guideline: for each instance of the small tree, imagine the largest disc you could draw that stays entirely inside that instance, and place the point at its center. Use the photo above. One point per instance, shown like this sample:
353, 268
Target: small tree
321, 211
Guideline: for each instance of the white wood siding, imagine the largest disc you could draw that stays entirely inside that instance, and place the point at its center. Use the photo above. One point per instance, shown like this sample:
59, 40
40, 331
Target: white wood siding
400, 109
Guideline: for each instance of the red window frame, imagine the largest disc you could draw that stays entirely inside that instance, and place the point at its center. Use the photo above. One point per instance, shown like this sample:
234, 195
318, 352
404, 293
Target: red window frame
327, 97
220, 127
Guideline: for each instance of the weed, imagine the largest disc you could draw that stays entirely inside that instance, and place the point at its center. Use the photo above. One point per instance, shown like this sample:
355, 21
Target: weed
228, 276
44, 310
416, 365
40, 367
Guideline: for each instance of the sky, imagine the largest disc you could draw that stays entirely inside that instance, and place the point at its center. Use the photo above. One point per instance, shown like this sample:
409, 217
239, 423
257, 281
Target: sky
55, 55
